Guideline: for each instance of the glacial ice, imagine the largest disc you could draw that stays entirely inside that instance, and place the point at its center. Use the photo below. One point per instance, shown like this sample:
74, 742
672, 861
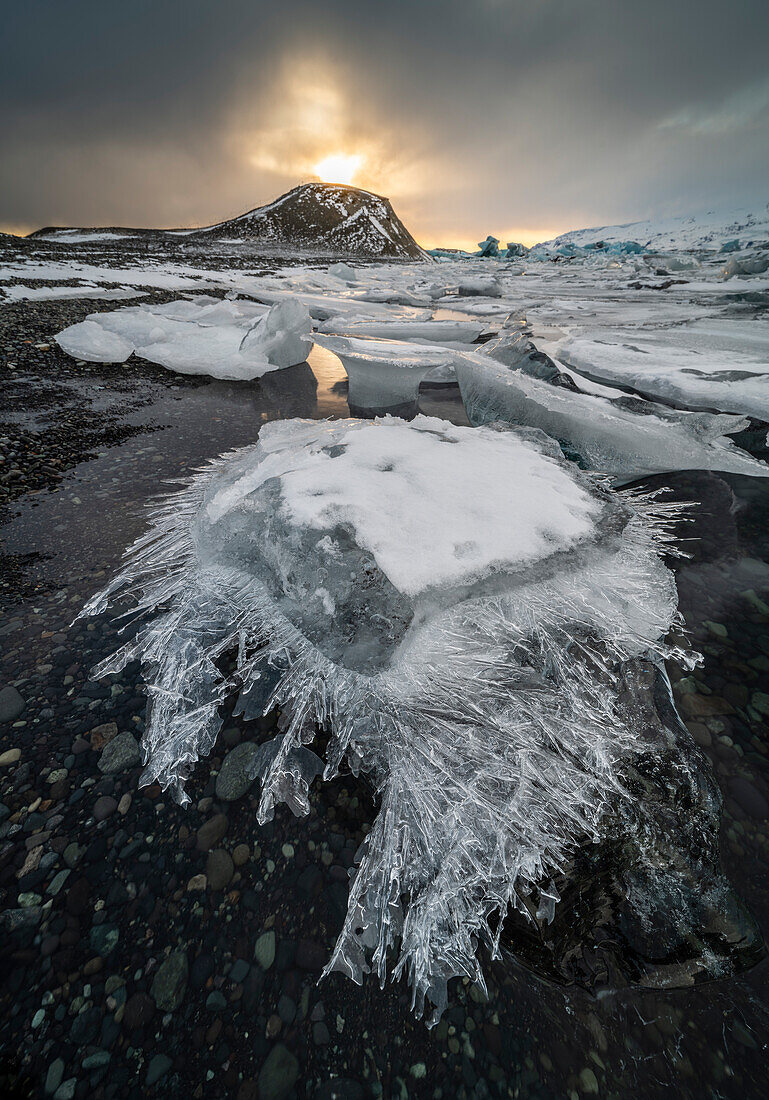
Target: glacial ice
231, 339
623, 437
460, 609
489, 247
385, 374
746, 265
685, 365
433, 332
342, 271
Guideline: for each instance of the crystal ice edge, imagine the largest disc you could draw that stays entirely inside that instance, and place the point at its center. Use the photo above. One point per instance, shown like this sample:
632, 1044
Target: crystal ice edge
490, 723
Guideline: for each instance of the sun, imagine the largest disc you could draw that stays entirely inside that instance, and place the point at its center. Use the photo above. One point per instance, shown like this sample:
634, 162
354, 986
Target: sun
338, 167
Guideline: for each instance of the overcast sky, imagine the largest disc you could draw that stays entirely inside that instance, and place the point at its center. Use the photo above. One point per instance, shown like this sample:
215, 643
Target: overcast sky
521, 119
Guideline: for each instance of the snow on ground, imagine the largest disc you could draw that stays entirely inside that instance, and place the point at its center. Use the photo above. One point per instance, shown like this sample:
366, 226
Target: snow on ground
18, 293
708, 230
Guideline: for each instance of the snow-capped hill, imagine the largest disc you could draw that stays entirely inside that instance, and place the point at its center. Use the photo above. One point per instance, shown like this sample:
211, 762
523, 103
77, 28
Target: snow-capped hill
321, 218
326, 218
709, 230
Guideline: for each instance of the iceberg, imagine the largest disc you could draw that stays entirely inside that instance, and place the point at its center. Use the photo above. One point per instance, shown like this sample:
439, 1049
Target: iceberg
385, 375
464, 613
342, 271
623, 437
746, 265
231, 339
489, 247
515, 250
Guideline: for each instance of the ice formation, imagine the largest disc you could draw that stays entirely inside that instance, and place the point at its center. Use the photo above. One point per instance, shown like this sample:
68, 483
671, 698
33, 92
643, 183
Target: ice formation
489, 247
700, 365
234, 339
624, 437
459, 608
386, 374
432, 332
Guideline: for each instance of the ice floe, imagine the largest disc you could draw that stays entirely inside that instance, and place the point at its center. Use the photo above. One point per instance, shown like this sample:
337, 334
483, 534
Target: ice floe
233, 339
385, 375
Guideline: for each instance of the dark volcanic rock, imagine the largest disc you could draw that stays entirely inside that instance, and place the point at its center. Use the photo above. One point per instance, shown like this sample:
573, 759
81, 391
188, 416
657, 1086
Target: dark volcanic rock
170, 983
11, 704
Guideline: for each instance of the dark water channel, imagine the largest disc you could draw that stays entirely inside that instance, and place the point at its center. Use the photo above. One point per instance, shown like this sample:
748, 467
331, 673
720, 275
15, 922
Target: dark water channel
91, 1005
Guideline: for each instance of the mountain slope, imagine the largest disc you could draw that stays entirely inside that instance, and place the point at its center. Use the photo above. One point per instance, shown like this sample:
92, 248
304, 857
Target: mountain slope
321, 218
325, 217
708, 230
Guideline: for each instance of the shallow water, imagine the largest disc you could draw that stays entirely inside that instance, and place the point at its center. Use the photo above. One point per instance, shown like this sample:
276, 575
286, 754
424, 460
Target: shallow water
532, 1038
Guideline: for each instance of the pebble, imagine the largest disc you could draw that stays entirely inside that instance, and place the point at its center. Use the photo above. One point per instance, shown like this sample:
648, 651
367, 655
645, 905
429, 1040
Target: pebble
120, 754
10, 756
158, 1067
54, 1075
219, 868
278, 1074
100, 736
749, 798
170, 982
138, 1012
104, 938
11, 704
264, 950
211, 832
234, 778
104, 807
241, 855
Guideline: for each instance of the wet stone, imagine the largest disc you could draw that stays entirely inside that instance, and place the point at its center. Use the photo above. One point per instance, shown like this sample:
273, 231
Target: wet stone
234, 779
219, 868
264, 950
104, 807
54, 1075
158, 1067
278, 1074
120, 754
170, 982
211, 832
11, 704
100, 736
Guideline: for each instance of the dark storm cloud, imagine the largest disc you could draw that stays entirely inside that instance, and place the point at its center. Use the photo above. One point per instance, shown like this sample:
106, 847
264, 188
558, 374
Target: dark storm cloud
478, 117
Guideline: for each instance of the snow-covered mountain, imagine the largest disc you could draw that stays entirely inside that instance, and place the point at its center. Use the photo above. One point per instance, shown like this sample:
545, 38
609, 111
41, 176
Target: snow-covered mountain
320, 218
708, 230
328, 218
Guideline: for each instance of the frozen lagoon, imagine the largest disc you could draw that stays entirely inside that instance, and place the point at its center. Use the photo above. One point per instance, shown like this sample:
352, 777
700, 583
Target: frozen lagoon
709, 1024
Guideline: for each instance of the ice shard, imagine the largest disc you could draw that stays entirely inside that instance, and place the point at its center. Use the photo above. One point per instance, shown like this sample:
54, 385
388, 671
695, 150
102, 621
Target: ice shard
455, 607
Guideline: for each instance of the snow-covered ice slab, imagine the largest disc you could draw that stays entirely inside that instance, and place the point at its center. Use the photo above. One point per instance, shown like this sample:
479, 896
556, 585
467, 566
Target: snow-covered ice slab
621, 436
20, 293
456, 607
430, 332
232, 339
386, 374
686, 365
